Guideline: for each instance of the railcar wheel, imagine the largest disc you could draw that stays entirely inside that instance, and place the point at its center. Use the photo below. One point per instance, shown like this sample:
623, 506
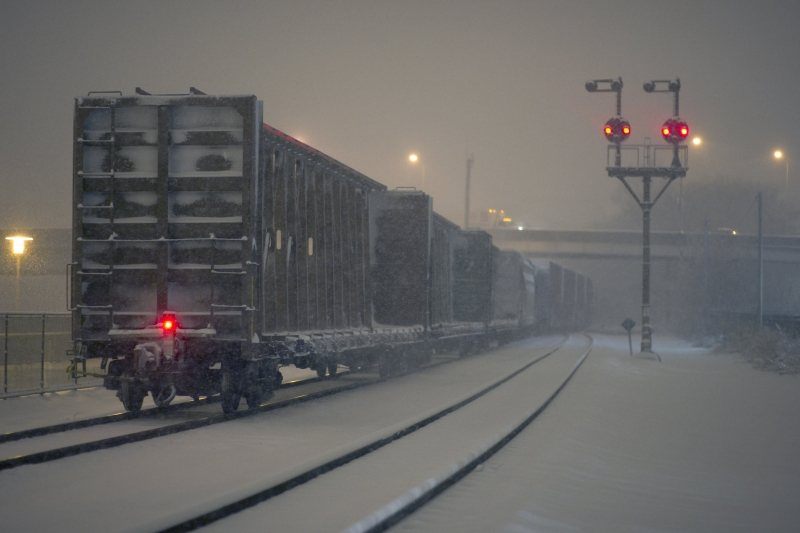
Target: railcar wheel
254, 397
163, 395
131, 393
231, 396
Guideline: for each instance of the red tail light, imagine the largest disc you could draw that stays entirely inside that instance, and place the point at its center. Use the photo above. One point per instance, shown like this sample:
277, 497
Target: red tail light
169, 323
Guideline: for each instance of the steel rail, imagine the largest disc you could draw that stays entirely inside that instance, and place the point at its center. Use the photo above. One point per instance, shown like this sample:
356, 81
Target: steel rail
309, 475
394, 512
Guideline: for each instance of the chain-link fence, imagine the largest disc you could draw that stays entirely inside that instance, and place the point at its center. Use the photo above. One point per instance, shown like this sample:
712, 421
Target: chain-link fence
35, 354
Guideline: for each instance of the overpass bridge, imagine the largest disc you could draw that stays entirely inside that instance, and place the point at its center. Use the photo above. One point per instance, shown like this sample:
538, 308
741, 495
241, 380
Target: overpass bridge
694, 275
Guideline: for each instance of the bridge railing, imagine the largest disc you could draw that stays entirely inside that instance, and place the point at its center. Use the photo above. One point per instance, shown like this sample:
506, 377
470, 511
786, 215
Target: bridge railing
34, 354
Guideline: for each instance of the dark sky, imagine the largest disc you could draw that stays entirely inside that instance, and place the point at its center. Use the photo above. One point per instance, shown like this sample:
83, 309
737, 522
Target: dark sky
367, 82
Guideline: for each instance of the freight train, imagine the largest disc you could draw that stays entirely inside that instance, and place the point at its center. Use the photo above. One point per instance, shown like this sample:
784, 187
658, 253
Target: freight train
210, 249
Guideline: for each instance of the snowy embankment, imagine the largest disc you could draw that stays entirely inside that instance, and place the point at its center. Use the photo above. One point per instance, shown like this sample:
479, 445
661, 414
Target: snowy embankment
698, 442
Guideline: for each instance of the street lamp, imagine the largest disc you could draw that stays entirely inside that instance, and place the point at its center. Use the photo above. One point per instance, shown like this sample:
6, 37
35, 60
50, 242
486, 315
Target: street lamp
414, 159
779, 155
697, 141
18, 243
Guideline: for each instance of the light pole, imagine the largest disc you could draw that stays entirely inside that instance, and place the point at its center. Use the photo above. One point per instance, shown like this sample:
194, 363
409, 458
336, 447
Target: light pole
18, 243
470, 161
414, 159
779, 155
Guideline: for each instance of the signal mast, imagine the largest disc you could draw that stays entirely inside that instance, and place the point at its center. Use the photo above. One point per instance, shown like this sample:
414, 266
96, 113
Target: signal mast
616, 130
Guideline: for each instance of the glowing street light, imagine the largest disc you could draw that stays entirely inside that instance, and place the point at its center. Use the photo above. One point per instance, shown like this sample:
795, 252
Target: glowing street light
18, 243
779, 155
18, 250
697, 141
414, 159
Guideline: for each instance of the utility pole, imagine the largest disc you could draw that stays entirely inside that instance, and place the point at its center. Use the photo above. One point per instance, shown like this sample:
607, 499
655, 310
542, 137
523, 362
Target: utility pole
760, 263
617, 130
706, 292
470, 161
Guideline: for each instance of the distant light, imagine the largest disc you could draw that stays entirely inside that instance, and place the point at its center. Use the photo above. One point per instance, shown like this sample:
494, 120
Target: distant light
507, 219
18, 243
697, 141
520, 228
733, 232
777, 154
665, 132
413, 158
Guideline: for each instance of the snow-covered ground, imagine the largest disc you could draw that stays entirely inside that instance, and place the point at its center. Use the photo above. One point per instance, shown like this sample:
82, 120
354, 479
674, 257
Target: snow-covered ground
699, 442
152, 484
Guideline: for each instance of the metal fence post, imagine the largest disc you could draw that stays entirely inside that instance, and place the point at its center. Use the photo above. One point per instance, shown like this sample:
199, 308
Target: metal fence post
5, 357
41, 374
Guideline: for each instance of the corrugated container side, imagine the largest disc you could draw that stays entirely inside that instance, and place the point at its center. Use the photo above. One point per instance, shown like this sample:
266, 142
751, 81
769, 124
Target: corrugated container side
472, 273
444, 236
400, 255
315, 259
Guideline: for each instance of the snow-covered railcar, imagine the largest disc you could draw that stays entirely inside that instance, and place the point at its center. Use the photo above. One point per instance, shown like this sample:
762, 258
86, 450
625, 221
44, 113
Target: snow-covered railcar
515, 293
210, 248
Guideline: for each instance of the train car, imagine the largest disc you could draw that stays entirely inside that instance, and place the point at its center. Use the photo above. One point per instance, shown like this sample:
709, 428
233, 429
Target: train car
427, 273
209, 249
515, 295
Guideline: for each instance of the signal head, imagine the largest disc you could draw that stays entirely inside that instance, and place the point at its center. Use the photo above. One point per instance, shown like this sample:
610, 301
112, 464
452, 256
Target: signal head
675, 130
617, 129
591, 86
649, 87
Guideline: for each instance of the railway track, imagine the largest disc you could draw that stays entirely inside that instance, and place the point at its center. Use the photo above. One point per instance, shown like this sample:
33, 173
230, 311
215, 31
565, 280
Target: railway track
331, 387
127, 415
60, 452
397, 510
385, 519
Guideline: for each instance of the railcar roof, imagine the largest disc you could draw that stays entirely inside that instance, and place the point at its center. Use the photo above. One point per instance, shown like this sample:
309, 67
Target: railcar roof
313, 152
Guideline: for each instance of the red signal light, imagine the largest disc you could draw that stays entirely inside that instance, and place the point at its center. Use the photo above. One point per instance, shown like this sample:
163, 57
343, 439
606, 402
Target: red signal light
674, 130
169, 323
617, 129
